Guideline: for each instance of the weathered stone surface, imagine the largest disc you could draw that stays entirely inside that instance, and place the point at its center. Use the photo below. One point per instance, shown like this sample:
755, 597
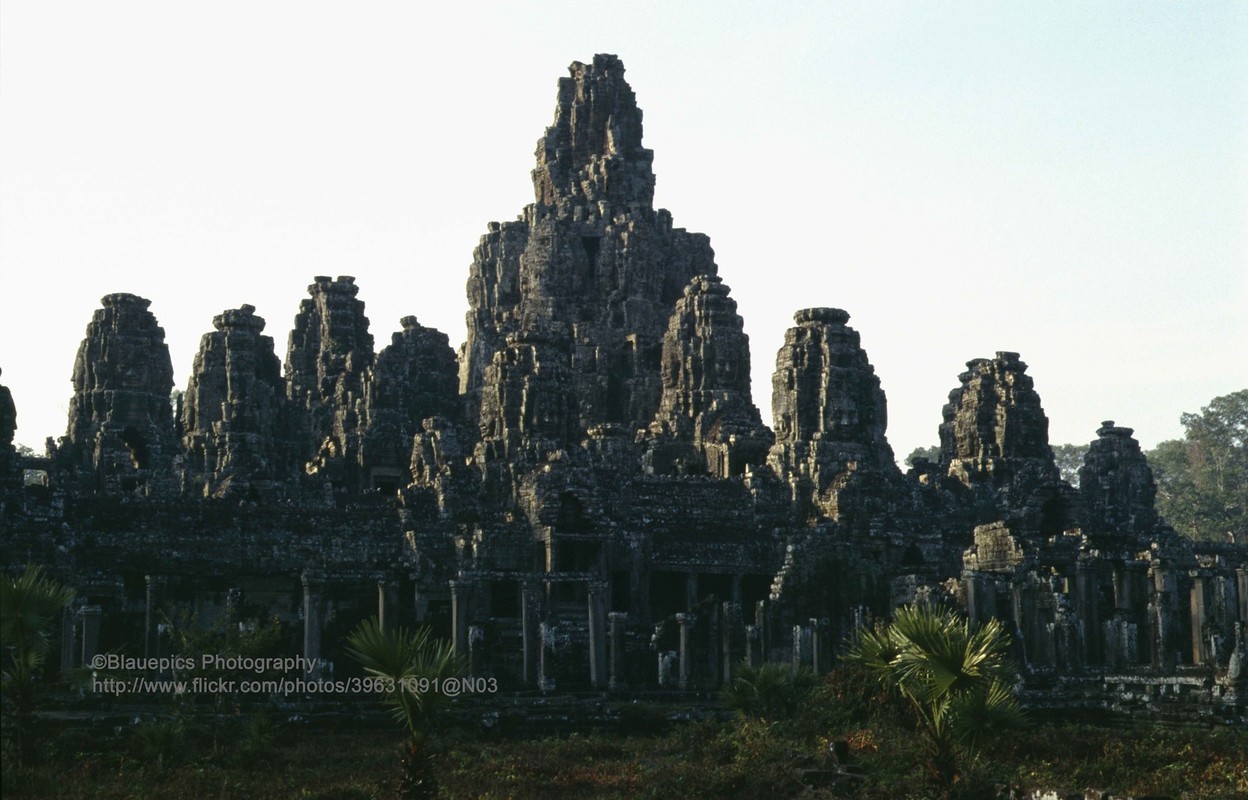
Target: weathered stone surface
591, 254
994, 428
707, 422
330, 350
8, 418
829, 410
120, 421
233, 417
440, 466
10, 470
413, 378
605, 462
1117, 484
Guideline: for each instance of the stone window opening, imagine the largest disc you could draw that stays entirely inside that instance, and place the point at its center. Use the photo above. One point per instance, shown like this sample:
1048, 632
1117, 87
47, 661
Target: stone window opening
591, 245
571, 516
135, 444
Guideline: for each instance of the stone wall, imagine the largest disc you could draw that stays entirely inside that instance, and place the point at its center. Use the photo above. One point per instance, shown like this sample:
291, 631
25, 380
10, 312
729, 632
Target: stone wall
588, 497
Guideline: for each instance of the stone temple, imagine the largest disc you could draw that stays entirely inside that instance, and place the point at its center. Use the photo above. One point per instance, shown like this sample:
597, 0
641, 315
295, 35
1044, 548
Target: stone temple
585, 496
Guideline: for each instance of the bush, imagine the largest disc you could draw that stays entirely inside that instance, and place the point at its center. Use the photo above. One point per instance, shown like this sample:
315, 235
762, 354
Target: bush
770, 692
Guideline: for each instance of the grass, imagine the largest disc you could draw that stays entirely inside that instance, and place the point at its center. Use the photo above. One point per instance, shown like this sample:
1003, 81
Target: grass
259, 758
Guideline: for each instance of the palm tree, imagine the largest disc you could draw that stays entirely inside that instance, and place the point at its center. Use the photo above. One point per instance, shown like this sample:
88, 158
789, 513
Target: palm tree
955, 677
29, 606
415, 666
771, 692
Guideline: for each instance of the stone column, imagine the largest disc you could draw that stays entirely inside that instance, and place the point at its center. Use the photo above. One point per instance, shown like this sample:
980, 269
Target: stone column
1163, 620
1131, 600
420, 603
685, 621
734, 642
820, 661
69, 639
715, 650
736, 590
92, 616
313, 611
546, 682
691, 591
753, 647
666, 658
156, 586
1200, 649
597, 591
801, 646
386, 591
1124, 589
616, 621
975, 611
1222, 616
459, 616
762, 625
1241, 582
234, 606
476, 650
1087, 605
1023, 601
529, 644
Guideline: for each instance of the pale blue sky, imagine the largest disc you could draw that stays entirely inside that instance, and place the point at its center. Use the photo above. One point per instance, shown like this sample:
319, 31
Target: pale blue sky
1069, 181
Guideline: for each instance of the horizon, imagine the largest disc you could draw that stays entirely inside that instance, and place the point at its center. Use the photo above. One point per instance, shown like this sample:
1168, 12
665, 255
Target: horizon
1067, 183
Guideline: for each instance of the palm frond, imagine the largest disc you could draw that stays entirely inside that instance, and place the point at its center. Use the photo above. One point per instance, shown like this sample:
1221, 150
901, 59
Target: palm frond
414, 662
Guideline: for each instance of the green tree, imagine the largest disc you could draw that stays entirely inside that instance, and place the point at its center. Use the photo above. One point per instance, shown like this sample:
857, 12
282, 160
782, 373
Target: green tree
956, 678
1069, 458
29, 607
413, 666
1202, 479
932, 454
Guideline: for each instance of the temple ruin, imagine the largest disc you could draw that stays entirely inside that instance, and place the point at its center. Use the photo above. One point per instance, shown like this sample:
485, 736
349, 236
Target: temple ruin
585, 496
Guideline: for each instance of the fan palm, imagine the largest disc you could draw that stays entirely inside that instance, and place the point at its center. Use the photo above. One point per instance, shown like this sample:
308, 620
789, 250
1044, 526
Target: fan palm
415, 665
956, 678
772, 691
29, 606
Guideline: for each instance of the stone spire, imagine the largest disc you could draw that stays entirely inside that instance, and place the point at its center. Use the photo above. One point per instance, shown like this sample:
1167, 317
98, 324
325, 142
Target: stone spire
707, 421
10, 473
8, 419
829, 410
593, 150
232, 412
120, 420
329, 352
526, 407
591, 255
825, 389
994, 429
1117, 484
413, 378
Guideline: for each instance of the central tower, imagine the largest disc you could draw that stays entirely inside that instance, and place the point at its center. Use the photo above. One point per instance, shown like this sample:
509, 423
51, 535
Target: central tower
584, 282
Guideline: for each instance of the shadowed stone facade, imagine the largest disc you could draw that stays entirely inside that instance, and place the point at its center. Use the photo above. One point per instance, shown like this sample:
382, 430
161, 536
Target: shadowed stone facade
121, 432
587, 497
